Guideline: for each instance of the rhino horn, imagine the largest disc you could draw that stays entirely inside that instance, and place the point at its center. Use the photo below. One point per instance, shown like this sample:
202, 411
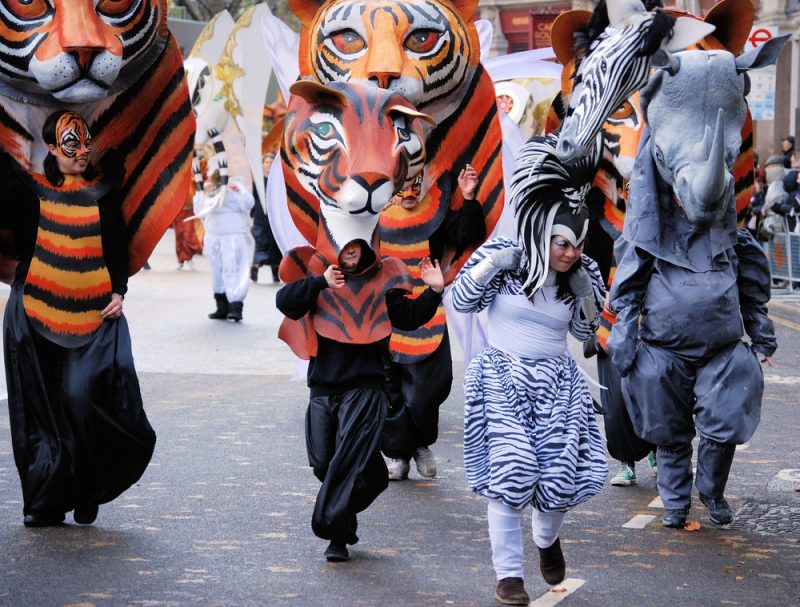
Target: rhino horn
709, 186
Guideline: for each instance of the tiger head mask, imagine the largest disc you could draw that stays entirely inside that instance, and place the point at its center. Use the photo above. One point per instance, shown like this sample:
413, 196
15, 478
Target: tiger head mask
425, 50
352, 146
77, 51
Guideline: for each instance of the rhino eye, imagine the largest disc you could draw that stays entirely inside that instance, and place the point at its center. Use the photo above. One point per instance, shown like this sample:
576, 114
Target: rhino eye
659, 156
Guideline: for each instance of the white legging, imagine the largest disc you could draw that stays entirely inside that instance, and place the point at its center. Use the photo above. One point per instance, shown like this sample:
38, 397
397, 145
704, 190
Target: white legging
505, 534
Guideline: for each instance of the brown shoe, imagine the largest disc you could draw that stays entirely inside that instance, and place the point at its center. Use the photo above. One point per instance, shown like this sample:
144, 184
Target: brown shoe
551, 563
511, 591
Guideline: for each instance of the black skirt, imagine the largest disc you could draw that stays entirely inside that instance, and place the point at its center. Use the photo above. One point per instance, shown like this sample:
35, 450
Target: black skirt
78, 427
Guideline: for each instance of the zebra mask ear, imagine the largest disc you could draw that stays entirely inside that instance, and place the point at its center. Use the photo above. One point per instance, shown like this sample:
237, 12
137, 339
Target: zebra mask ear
685, 32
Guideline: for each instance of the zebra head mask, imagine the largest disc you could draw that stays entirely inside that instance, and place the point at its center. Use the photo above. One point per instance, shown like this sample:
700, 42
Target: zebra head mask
617, 66
548, 198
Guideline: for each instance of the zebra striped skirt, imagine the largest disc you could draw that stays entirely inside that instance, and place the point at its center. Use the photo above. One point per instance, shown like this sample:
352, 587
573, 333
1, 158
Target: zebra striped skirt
530, 433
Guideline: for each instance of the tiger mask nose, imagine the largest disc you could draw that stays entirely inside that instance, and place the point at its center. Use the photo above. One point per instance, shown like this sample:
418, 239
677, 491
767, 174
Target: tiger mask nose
366, 193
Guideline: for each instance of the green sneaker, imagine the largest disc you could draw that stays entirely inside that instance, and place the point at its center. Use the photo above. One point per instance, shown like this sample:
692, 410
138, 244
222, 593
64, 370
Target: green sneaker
651, 459
625, 477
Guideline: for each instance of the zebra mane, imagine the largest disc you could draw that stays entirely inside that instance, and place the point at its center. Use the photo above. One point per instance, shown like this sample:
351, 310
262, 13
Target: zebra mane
541, 183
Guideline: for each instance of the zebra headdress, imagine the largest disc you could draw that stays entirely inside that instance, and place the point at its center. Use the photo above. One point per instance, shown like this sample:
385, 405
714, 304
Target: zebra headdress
541, 188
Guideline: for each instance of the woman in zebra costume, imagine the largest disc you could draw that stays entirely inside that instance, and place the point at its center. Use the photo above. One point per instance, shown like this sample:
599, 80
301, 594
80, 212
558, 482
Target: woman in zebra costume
530, 433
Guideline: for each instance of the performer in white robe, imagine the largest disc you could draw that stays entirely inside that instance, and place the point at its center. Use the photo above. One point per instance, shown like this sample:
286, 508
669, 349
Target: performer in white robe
228, 243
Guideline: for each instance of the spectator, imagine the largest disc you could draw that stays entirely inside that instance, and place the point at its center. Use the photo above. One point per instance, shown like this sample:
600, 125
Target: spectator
789, 157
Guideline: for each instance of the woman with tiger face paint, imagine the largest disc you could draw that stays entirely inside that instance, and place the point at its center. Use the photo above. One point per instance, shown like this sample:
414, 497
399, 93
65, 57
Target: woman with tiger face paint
78, 428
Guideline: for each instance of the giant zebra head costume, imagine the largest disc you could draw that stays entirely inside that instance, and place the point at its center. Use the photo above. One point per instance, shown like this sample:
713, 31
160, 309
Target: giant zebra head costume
618, 65
546, 192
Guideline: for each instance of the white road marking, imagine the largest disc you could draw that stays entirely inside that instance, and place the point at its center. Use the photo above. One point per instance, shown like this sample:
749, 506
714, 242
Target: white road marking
639, 521
558, 593
786, 380
742, 447
789, 474
656, 503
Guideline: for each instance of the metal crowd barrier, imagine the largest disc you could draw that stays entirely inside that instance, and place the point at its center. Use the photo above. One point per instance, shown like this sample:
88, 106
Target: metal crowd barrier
784, 257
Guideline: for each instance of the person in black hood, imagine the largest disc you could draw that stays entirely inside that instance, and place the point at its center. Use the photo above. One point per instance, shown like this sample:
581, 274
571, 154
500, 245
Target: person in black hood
348, 403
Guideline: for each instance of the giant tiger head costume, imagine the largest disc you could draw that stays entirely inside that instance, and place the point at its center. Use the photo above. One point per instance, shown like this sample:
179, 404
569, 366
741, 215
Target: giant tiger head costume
425, 50
77, 51
115, 63
428, 52
352, 147
620, 133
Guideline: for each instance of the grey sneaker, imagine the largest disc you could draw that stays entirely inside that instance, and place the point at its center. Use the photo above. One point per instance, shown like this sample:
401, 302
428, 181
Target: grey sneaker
426, 463
675, 518
719, 511
398, 468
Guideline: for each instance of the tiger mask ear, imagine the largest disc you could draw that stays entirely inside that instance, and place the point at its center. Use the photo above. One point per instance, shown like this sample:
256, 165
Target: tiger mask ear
305, 10
411, 113
313, 92
466, 8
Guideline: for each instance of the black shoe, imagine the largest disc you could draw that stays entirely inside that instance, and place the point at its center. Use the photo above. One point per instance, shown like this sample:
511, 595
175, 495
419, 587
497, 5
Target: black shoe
675, 519
275, 277
551, 563
85, 515
254, 273
46, 519
719, 511
511, 591
221, 313
235, 310
337, 552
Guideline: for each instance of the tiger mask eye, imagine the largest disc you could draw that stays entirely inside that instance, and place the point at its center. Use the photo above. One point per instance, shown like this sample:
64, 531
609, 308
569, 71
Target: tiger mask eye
28, 9
422, 41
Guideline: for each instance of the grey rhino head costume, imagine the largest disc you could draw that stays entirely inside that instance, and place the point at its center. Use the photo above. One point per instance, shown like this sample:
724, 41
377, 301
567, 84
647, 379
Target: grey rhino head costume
681, 190
695, 107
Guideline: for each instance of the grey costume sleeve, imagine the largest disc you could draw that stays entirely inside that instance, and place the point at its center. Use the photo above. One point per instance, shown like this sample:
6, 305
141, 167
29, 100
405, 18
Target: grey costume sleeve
626, 300
753, 279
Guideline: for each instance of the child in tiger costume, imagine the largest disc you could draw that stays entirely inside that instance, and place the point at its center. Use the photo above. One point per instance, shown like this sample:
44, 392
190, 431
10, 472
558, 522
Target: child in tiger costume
342, 300
348, 404
417, 389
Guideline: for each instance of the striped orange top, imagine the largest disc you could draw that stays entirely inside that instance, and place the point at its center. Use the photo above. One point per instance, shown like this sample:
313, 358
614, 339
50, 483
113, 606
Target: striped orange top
68, 283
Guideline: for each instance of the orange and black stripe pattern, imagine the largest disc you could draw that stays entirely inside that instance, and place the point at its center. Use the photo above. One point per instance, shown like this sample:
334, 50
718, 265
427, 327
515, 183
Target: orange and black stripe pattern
148, 130
471, 135
68, 284
356, 313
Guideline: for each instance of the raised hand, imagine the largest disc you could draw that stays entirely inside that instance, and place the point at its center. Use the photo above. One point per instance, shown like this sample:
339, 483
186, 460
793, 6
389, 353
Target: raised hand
506, 259
334, 276
431, 274
580, 283
468, 182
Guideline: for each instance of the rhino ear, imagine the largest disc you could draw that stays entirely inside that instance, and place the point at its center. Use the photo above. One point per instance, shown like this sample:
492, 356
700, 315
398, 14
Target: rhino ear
686, 32
764, 55
664, 60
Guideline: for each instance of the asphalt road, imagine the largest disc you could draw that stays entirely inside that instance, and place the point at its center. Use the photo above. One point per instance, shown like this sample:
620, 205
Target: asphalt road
221, 516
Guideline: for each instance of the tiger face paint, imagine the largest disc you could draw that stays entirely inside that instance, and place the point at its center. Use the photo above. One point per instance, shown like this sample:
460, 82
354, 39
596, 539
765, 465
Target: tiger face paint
73, 144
